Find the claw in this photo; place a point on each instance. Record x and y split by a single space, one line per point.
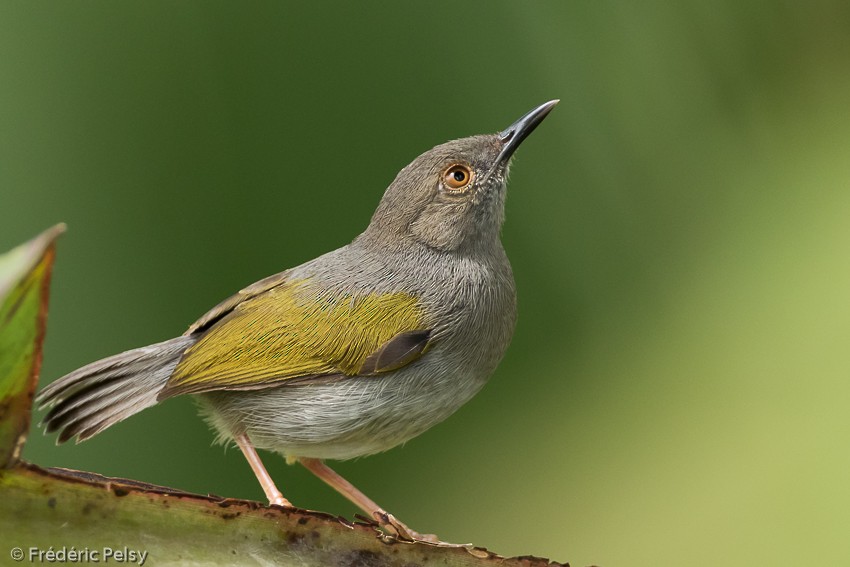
401 531
280 501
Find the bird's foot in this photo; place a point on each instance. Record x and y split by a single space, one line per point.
279 500
401 532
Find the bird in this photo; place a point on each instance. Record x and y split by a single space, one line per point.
349 354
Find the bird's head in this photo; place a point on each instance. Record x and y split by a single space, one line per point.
452 196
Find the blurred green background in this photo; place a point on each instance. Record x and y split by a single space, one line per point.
677 390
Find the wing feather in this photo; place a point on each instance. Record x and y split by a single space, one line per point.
291 330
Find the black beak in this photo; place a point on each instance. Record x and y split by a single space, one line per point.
513 135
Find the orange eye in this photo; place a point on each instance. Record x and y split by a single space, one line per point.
457 176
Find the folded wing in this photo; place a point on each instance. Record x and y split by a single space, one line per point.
290 330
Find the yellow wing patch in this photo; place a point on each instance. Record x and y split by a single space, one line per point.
291 331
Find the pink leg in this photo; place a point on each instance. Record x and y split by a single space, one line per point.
272 493
324 472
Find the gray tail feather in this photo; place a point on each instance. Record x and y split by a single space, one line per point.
90 399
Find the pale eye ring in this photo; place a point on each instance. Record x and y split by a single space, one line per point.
457 177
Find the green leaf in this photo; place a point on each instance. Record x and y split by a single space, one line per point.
24 283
